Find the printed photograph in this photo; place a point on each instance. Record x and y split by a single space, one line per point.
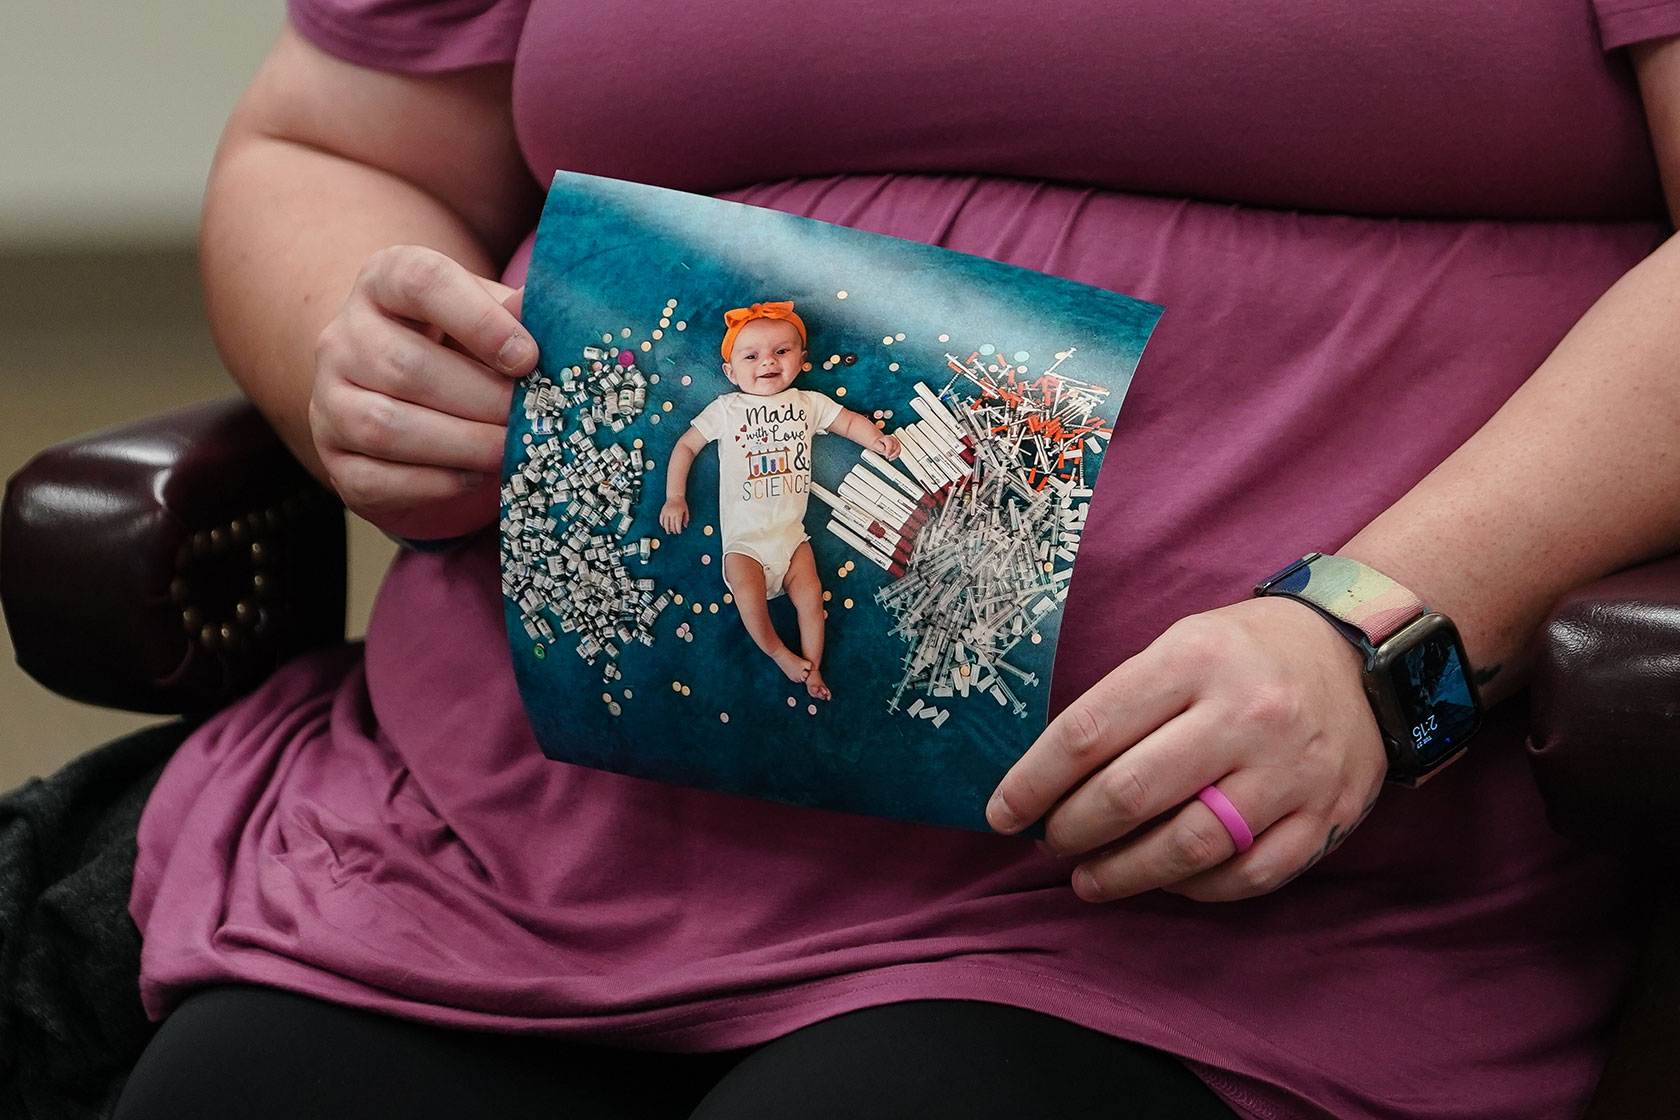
791 510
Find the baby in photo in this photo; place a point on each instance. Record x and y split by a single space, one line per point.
763 432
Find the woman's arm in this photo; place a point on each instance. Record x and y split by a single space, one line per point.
1576 476
341 339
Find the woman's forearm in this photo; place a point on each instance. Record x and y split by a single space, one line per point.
1576 476
286 230
299 199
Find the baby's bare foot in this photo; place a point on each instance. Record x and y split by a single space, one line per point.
795 666
815 685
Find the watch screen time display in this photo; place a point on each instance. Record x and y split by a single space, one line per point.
1434 698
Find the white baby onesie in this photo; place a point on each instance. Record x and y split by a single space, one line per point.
764 471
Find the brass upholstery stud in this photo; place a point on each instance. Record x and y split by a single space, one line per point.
192 619
207 637
178 590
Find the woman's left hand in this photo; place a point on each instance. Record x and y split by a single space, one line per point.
1262 699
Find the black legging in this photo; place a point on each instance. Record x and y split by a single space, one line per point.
254 1053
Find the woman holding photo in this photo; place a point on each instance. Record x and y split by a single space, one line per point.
1421 314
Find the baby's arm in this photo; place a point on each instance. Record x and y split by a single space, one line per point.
857 428
673 515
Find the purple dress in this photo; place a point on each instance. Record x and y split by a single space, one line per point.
1367 223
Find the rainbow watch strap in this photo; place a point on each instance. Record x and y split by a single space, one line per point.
1349 592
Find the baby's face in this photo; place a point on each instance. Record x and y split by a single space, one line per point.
767 357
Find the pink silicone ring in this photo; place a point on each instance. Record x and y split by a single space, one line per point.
1241 835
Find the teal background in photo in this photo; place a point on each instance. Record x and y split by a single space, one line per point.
608 258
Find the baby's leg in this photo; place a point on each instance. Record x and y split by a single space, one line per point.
746 583
804 587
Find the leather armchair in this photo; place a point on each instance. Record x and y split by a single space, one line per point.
169 565
1605 748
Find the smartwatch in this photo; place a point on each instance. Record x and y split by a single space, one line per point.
1416 675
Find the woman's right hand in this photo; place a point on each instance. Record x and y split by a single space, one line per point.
413 382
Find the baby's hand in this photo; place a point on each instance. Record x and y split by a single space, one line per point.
886 446
673 515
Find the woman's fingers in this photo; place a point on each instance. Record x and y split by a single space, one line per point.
420 502
1123 707
1160 771
1190 842
1292 845
511 298
368 350
356 421
425 287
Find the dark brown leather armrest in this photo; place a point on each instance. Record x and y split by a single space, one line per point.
171 564
1606 708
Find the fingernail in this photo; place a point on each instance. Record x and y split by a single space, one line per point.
515 352
999 815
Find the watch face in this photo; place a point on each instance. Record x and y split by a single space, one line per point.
1432 691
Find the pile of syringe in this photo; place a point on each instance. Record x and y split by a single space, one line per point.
980 536
877 509
567 510
1038 428
980 580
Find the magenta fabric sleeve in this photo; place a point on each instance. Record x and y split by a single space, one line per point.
413 36
1621 22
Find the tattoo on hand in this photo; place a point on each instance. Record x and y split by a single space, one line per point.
1334 838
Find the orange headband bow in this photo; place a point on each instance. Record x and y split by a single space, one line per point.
741 316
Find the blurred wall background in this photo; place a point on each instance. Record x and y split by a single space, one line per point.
111 115
112 112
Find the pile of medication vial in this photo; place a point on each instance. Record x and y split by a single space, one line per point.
568 507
